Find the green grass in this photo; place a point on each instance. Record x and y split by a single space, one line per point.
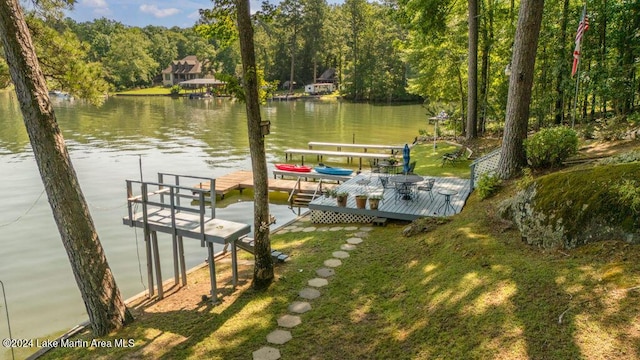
429 162
158 90
469 289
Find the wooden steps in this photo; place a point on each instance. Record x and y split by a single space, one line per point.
302 199
247 244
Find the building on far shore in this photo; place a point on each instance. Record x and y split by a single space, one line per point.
178 71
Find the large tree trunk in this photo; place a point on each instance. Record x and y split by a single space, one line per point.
563 63
263 269
472 79
99 291
525 44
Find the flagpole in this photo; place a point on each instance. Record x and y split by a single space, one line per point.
575 100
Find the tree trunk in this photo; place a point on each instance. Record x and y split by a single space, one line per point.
263 269
472 79
98 288
525 44
563 62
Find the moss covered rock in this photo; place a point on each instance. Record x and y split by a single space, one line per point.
569 209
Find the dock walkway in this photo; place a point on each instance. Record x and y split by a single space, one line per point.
320 154
395 149
243 179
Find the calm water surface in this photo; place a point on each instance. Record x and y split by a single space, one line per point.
195 137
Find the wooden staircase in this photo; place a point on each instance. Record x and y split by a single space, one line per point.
302 199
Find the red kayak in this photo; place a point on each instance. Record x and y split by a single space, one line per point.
293 167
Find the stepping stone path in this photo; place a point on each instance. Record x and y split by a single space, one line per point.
266 353
309 293
318 282
340 254
299 307
325 272
288 321
332 263
279 336
348 247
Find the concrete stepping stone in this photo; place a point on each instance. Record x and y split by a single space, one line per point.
289 321
309 293
309 229
354 241
366 228
361 234
336 228
266 353
299 307
289 227
318 282
325 272
297 229
332 263
323 229
348 247
340 254
283 231
351 228
279 337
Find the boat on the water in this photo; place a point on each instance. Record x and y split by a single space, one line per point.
293 167
332 170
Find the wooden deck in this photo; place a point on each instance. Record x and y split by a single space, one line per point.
393 207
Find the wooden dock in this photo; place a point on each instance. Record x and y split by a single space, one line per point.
243 179
349 155
395 149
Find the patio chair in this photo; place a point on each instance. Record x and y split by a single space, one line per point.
453 157
412 167
427 186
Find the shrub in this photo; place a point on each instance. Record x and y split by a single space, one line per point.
550 147
488 184
175 89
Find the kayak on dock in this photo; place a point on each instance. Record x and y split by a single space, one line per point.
332 170
293 167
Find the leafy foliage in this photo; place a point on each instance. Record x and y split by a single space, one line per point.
488 184
549 147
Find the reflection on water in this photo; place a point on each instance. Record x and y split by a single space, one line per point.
195 137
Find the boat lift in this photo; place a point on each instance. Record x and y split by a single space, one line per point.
161 207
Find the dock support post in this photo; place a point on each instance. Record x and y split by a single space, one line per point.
183 266
176 261
156 261
234 264
212 274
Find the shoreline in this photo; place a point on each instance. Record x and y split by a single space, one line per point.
142 296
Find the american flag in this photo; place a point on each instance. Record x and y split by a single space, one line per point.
582 27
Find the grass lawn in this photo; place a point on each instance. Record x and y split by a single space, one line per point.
468 289
429 162
158 90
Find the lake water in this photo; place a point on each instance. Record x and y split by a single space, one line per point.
194 137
